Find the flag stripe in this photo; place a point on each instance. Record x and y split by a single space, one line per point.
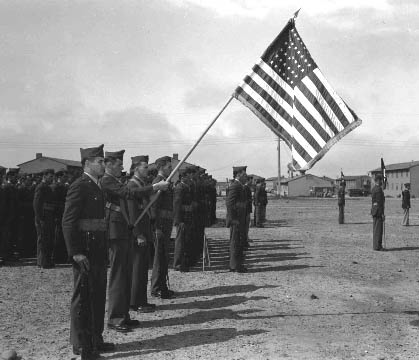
276 122
268 98
298 105
329 99
307 136
302 86
281 82
311 125
281 92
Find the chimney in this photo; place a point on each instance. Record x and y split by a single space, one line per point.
175 156
38 155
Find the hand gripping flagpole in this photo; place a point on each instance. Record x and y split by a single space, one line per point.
153 200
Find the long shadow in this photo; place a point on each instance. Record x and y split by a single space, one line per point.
180 340
403 248
280 268
213 303
23 262
357 223
222 290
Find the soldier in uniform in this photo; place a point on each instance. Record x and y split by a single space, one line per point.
377 212
43 207
162 213
248 194
142 237
59 193
263 201
341 201
183 210
84 229
236 218
406 204
257 202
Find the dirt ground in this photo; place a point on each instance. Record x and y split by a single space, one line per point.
315 290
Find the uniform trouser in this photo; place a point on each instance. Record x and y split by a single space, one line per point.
4 241
45 241
87 311
263 213
237 234
258 215
405 217
120 275
181 256
26 243
377 232
140 261
161 255
341 214
59 251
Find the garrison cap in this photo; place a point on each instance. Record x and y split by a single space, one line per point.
91 152
60 173
48 171
163 160
237 169
136 160
115 154
378 177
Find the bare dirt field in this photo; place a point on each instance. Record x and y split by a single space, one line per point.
315 290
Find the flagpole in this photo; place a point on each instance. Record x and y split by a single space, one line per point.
152 201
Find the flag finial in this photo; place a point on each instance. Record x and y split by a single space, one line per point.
296 13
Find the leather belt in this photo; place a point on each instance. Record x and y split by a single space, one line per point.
113 207
165 214
92 225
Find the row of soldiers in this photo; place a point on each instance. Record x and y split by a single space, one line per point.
106 217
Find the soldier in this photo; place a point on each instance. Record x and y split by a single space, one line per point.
257 202
142 235
162 213
183 210
236 218
59 193
44 207
263 201
406 204
84 230
341 201
377 212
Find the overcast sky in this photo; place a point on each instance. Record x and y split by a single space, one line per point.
149 76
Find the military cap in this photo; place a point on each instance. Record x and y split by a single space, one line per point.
48 171
183 172
237 169
136 160
91 152
60 173
378 177
163 160
192 169
115 154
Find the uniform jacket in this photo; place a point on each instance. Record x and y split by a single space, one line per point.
43 202
84 200
378 200
182 203
406 199
136 207
236 204
248 194
164 202
59 193
8 203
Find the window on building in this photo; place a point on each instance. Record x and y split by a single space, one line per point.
397 187
392 186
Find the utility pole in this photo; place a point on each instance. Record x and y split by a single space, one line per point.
278 189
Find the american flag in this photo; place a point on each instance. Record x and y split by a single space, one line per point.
288 92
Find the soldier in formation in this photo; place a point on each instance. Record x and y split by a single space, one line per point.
341 201
406 204
377 212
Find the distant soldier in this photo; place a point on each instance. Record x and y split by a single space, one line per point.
183 220
341 201
162 213
84 230
44 208
406 204
258 199
377 212
236 218
142 237
59 193
263 201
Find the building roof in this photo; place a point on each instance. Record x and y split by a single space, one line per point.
61 161
398 166
353 177
324 178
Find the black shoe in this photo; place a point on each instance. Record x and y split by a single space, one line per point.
242 270
120 327
85 352
146 308
163 294
132 323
